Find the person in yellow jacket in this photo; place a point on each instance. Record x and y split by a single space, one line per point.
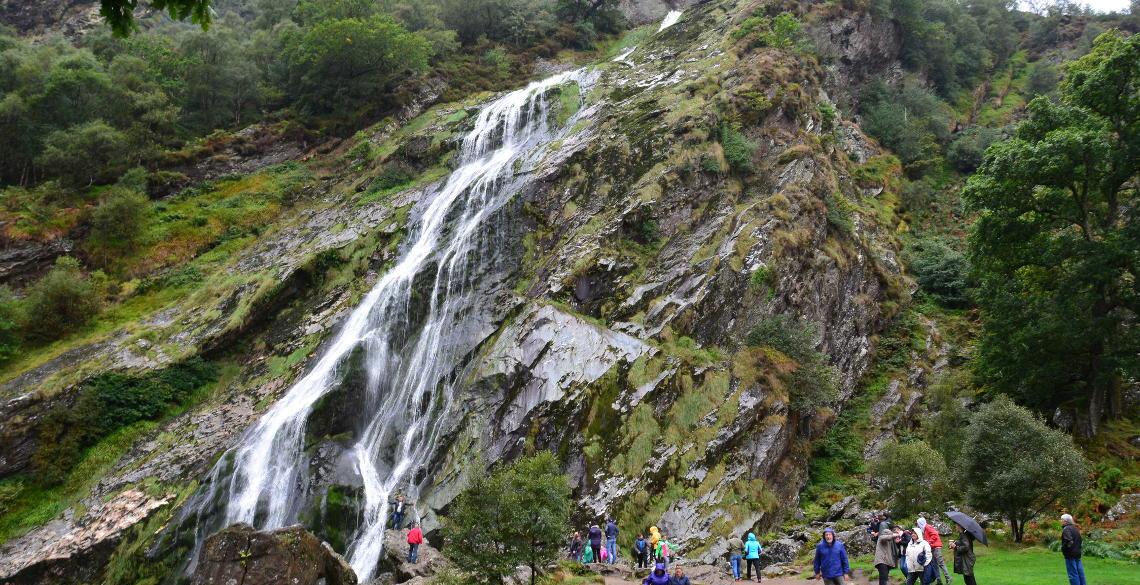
654 538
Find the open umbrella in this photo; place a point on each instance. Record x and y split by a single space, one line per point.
970 525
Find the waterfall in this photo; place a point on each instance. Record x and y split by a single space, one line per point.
669 20
408 350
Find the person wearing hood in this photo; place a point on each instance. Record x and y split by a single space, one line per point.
654 538
1071 550
752 550
964 556
885 553
918 558
641 551
664 550
595 537
830 561
735 555
659 576
611 540
576 546
931 536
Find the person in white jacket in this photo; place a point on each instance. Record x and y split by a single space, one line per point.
918 557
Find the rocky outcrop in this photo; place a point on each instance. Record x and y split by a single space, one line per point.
244 556
68 17
23 262
857 47
395 563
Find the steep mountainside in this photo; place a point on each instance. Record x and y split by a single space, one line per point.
693 189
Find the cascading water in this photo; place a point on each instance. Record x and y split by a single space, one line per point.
408 351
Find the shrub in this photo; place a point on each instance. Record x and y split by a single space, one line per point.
61 302
9 323
912 474
391 177
738 150
839 214
1043 79
827 115
941 270
118 223
815 382
969 148
92 152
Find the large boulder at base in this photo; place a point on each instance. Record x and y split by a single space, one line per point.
241 554
782 550
1126 506
395 559
846 508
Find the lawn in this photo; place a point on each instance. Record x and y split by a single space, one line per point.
1008 565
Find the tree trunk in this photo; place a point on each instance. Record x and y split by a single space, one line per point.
533 572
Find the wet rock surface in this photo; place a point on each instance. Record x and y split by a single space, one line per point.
395 560
242 555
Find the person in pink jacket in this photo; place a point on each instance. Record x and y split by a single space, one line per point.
931 536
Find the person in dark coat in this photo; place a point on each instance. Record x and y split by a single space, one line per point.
641 551
831 559
679 577
399 508
659 576
964 556
1071 549
611 540
595 538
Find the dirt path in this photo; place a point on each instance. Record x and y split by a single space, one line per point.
701 575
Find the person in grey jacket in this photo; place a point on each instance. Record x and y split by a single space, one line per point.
885 558
1071 549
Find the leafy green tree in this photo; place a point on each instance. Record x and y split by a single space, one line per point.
60 303
1055 247
118 223
1014 465
9 323
968 149
908 119
120 14
339 66
88 153
913 476
941 270
518 515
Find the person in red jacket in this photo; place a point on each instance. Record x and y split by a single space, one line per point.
415 539
931 536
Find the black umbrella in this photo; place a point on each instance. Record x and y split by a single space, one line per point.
970 525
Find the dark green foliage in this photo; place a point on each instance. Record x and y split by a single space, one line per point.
838 214
118 222
738 150
1054 249
392 176
815 382
9 324
941 269
782 32
109 402
998 476
84 154
913 475
120 13
61 302
907 119
1043 79
517 515
969 147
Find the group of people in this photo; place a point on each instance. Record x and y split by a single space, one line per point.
917 552
600 546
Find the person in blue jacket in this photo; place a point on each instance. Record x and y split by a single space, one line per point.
752 551
831 559
659 576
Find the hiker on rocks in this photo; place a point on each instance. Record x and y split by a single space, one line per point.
1071 550
588 554
659 576
679 578
964 555
399 508
918 559
611 540
654 539
415 539
735 555
831 559
641 551
576 546
595 536
752 551
931 536
886 556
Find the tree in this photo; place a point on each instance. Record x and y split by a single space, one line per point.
519 515
92 152
1055 247
120 14
912 474
814 383
59 303
1016 466
337 66
940 269
118 223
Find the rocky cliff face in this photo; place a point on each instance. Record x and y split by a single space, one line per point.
645 248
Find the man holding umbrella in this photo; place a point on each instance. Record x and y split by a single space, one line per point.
964 547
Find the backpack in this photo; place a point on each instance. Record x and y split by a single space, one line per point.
664 549
922 558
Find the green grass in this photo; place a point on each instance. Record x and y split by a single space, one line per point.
1004 564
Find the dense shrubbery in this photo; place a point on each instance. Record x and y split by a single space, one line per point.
61 302
738 150
968 148
814 383
908 119
914 475
107 403
940 269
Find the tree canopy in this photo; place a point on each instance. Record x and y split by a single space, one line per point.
1056 247
120 14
